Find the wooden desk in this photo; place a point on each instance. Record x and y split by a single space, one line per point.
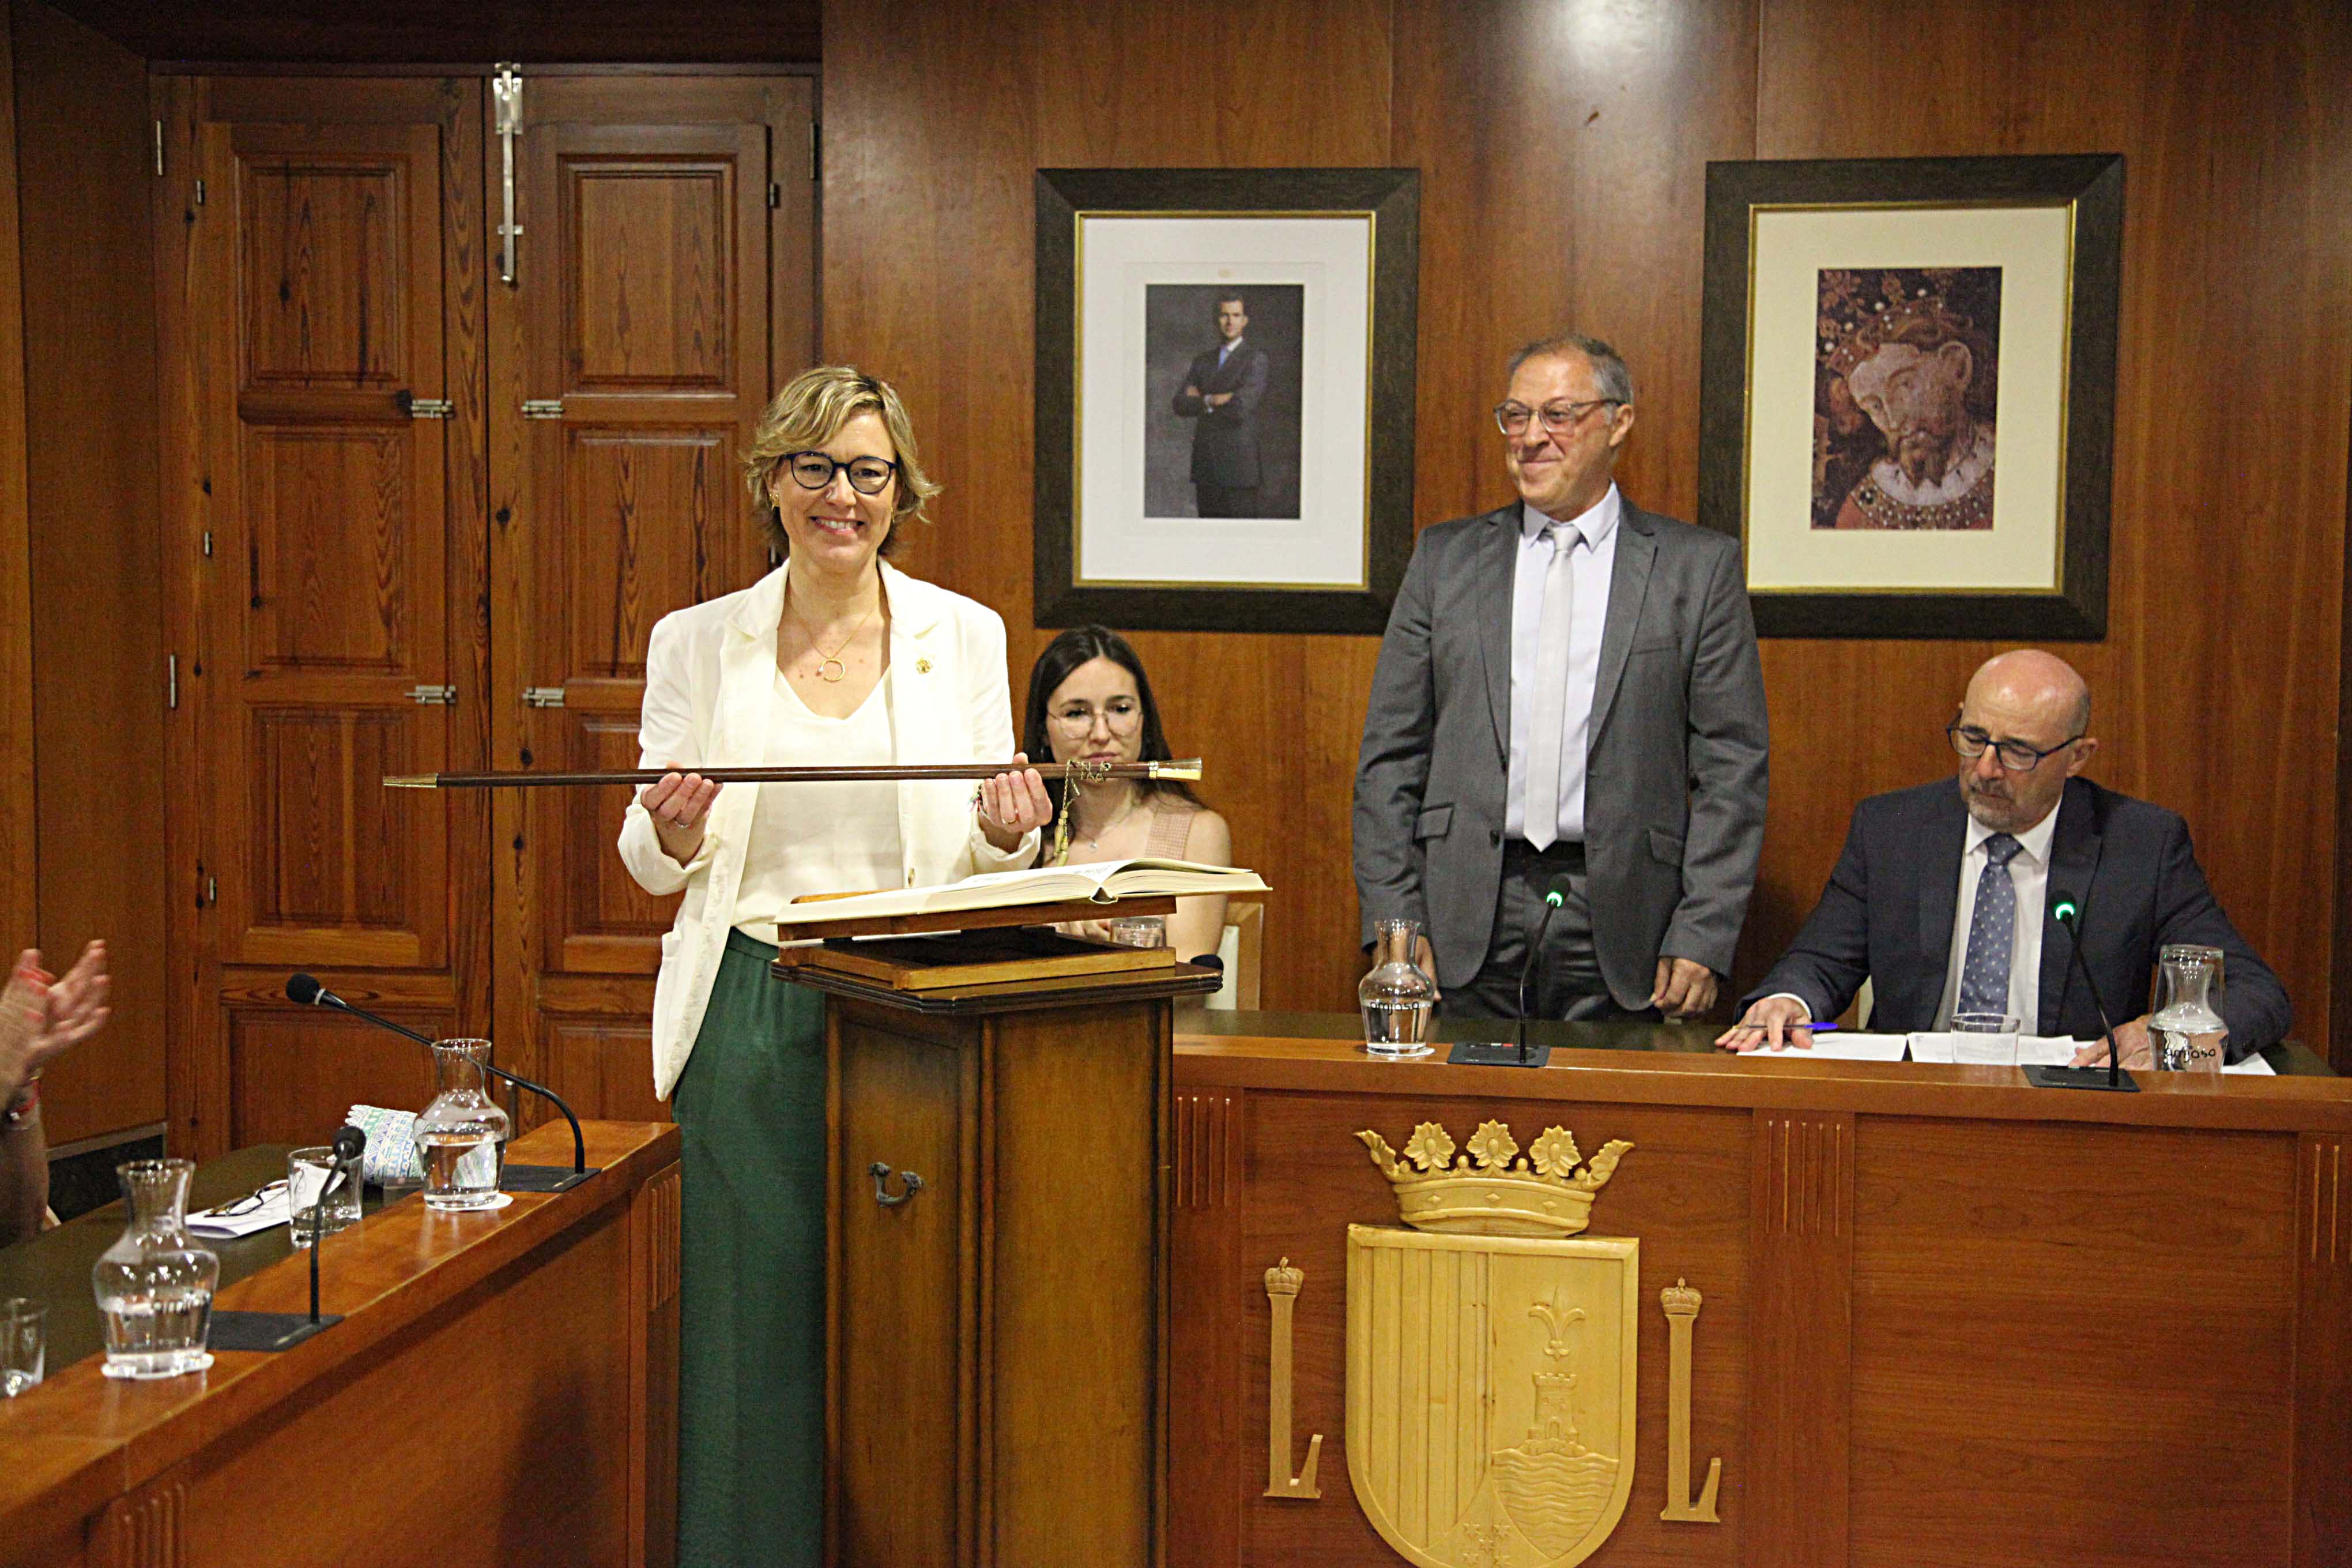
1947 1318
501 1391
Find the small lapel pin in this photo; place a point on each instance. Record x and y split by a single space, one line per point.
922 667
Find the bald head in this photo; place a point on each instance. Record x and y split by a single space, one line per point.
2032 700
2030 680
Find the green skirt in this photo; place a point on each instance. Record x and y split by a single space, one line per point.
750 1403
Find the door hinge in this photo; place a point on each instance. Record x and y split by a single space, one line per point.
208 544
211 895
816 143
158 149
775 196
199 193
171 681
542 408
429 696
428 408
542 697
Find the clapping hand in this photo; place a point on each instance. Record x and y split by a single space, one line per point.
42 1017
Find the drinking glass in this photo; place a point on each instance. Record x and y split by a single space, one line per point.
23 1344
1139 930
308 1171
1984 1040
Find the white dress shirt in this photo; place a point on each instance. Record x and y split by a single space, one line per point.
1225 351
2029 873
1593 538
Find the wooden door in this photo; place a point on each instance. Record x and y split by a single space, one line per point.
664 285
319 247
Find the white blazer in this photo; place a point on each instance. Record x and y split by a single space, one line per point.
710 673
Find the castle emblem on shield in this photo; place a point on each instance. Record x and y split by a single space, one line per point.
1491 1354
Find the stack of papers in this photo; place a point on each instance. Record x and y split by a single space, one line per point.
253 1212
2032 1050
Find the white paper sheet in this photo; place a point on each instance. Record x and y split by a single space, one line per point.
250 1217
1838 1046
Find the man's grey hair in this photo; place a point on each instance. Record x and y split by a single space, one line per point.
1616 382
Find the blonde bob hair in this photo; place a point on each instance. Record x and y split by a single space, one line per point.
811 410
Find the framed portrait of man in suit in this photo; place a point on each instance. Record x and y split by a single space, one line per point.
1907 391
1224 365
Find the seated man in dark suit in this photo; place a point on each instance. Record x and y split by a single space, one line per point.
1939 896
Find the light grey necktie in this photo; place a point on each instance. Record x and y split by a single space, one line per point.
1548 718
1992 933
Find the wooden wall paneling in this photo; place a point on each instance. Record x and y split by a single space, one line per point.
84 165
271 33
2044 1264
1800 1358
2232 408
19 841
341 568
649 306
1209 1468
653 1219
2323 1351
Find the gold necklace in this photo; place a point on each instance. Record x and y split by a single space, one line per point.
829 666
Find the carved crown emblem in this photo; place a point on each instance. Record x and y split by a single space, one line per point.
1492 1189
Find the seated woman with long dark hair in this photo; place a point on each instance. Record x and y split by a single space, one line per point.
1091 700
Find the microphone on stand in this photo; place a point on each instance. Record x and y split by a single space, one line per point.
305 991
350 1144
1520 1054
236 1330
2068 913
1554 896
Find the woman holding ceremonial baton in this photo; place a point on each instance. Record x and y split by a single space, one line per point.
835 658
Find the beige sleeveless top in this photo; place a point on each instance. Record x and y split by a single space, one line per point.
1172 824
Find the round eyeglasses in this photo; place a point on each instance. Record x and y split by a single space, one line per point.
815 471
2015 756
1121 717
1511 418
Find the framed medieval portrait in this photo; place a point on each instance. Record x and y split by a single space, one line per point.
1907 392
1224 407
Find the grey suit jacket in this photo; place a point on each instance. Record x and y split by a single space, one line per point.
1676 782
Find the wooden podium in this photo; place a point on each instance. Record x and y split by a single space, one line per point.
997 1288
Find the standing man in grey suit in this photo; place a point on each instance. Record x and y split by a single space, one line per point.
1568 690
1222 391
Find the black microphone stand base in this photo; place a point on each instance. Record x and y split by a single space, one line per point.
2080 1077
1497 1053
267 1330
543 1178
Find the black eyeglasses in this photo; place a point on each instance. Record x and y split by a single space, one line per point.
815 471
1511 418
2015 756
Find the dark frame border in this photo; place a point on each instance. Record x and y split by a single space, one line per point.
1393 195
2094 182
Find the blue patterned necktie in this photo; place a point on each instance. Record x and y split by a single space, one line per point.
1992 933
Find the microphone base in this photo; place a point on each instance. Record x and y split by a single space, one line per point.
543 1178
1497 1054
2081 1077
267 1330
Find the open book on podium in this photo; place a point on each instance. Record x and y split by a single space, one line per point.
996 928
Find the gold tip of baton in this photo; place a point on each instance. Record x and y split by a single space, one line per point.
411 781
1188 769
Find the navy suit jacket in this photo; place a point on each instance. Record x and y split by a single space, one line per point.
1224 443
1888 910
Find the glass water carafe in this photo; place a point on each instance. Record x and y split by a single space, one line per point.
2185 1033
461 1137
1398 996
154 1285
